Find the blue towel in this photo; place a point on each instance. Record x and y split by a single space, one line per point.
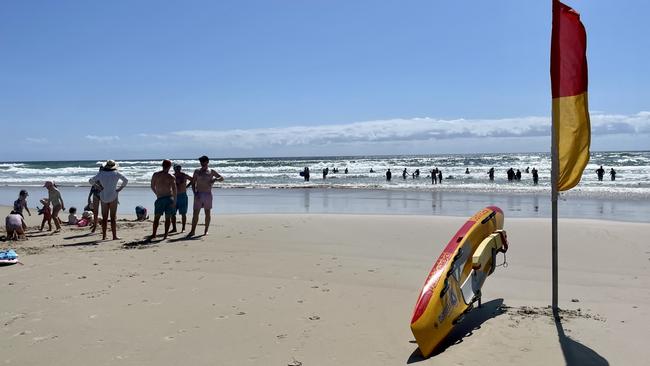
8 254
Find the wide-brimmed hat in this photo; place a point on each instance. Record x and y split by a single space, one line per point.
110 165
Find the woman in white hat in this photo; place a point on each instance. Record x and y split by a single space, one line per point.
108 178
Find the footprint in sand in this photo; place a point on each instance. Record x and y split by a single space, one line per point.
314 317
221 317
169 338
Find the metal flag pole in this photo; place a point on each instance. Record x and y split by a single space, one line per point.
555 164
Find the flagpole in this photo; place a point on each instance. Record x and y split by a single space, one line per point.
555 164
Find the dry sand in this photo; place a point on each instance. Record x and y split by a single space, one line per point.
318 290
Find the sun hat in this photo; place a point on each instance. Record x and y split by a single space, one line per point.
110 165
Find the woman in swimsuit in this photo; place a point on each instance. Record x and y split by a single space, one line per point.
54 196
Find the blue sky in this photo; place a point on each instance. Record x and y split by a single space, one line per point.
138 79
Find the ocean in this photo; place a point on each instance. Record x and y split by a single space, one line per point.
632 167
272 185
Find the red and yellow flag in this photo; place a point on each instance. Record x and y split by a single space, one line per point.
569 88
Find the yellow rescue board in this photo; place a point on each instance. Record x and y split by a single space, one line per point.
455 281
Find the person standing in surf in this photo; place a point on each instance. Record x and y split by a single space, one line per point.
535 176
202 181
108 178
163 185
600 172
181 197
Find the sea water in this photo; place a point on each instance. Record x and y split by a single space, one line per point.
632 168
273 185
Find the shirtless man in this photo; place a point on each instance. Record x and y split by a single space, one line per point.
202 182
181 197
163 185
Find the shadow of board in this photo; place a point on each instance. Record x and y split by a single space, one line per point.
576 353
473 321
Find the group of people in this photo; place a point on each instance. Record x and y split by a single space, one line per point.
171 195
171 198
52 206
514 176
600 173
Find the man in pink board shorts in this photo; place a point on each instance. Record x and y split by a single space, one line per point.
202 182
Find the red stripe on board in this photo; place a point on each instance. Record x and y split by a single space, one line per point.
436 271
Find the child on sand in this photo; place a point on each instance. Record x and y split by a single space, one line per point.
21 203
14 224
47 214
72 217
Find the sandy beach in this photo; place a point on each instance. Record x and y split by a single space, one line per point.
318 290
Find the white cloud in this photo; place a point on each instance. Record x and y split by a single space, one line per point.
408 130
102 138
36 140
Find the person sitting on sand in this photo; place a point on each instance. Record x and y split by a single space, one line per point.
108 178
163 185
202 182
72 217
14 224
21 203
47 214
181 197
54 196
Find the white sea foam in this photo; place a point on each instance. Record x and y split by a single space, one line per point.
632 179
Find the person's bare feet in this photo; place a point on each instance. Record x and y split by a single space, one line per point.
191 234
205 233
117 238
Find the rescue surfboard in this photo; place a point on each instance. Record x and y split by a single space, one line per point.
454 283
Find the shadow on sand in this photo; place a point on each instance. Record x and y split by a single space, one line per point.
80 244
576 353
84 235
466 328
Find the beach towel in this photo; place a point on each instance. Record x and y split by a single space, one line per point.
8 257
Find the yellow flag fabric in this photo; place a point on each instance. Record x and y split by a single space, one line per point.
572 129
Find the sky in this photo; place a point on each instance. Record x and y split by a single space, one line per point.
128 79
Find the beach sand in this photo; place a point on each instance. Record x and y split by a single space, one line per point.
318 290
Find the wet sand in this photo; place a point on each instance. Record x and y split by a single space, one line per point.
371 202
316 289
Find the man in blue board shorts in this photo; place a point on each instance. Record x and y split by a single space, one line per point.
163 185
181 197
